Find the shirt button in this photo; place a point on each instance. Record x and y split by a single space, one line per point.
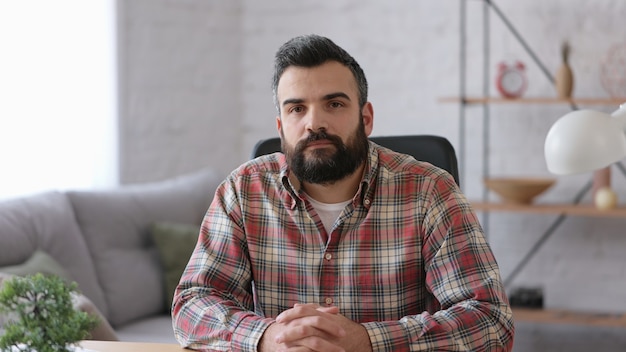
328 301
367 202
328 256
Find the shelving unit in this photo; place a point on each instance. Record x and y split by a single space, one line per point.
536 100
561 210
586 210
568 317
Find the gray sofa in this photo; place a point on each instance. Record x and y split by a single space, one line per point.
102 240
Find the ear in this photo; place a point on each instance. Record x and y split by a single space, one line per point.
368 117
278 125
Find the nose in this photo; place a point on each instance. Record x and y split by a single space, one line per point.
317 120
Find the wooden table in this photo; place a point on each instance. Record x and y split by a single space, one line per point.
119 346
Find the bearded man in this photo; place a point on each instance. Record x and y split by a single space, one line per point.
338 244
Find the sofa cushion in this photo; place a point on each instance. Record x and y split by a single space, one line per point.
175 243
39 262
116 224
103 331
46 222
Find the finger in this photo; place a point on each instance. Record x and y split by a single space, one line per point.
309 314
329 310
317 325
313 344
299 310
296 349
312 305
293 332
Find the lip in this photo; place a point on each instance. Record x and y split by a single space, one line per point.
319 144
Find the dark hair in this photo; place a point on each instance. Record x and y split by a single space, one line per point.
310 51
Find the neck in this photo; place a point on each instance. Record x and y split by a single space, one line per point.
338 191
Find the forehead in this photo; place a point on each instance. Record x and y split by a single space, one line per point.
299 82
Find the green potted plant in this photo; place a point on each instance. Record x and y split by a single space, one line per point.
43 317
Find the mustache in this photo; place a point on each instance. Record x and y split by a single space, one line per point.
319 136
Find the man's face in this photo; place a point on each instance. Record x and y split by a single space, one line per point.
323 129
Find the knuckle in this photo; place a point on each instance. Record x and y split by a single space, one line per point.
315 344
301 330
317 320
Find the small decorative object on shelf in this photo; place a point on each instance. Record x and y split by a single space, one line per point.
527 297
605 198
518 190
45 319
511 79
613 71
564 79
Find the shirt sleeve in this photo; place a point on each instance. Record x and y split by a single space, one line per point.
470 309
213 307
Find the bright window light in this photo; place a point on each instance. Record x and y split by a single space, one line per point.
58 107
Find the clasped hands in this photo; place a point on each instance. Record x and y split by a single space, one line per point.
312 328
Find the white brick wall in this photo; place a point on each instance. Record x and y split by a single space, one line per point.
196 91
180 86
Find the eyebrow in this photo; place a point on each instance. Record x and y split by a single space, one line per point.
336 95
325 97
292 101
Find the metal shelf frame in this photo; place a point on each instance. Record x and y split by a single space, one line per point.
489 6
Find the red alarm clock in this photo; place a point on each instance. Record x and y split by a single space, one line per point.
511 79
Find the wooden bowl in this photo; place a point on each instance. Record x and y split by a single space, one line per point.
518 190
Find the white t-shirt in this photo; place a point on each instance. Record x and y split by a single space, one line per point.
328 212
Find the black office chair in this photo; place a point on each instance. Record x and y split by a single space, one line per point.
436 150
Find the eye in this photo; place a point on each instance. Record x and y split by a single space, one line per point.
296 109
335 104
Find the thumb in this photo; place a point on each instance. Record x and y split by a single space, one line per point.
330 310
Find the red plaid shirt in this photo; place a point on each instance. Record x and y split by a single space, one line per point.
407 259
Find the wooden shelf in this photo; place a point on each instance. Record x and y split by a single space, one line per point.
558 209
536 100
548 316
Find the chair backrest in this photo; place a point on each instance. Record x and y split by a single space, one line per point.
436 150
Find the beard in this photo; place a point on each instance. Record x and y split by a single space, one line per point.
325 165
